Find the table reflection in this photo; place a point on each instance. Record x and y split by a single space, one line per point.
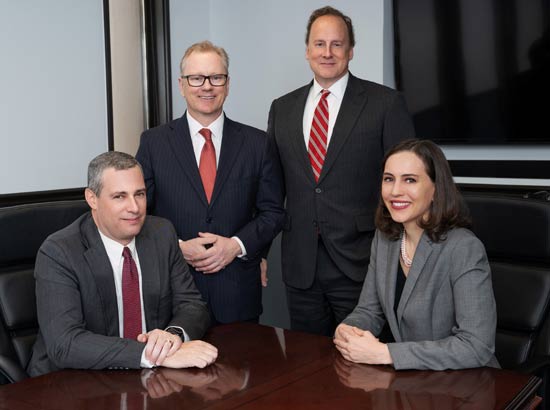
390 389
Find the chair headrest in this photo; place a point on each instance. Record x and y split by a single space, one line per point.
23 228
511 228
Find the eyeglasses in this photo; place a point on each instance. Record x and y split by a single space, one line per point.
196 80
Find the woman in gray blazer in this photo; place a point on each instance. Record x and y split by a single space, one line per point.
428 276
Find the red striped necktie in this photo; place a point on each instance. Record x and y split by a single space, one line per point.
318 136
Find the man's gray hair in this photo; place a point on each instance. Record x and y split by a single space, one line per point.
112 159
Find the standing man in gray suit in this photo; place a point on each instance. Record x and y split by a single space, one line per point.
112 288
331 136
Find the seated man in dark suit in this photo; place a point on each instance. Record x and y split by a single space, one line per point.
112 288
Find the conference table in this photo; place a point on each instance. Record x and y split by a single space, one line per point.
261 367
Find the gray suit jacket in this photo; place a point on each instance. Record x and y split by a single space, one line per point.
77 305
446 318
340 206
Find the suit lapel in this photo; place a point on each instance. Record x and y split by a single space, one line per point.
149 264
391 277
353 103
180 140
296 133
232 142
102 273
421 255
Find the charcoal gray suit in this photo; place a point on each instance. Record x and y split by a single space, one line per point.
446 317
338 209
77 303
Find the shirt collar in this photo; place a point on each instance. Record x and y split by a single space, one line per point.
216 127
114 248
337 89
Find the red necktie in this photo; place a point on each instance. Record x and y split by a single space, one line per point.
131 304
207 163
318 136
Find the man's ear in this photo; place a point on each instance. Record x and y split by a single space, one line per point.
91 198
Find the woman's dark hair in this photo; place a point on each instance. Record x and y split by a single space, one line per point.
448 209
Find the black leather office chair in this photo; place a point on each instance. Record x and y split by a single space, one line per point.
23 228
516 235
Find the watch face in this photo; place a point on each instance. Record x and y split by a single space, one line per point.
175 331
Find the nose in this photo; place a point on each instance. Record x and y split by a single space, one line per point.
396 188
327 51
132 204
207 84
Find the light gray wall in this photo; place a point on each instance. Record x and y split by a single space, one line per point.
53 100
266 46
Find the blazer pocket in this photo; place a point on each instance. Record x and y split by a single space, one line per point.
365 223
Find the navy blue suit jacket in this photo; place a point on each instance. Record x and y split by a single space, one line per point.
247 202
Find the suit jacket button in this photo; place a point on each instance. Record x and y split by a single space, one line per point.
318 190
315 224
209 220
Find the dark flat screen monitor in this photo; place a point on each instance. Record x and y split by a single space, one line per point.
475 71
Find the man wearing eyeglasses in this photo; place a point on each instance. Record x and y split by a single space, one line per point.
220 184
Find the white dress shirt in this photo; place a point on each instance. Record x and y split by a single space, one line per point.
334 100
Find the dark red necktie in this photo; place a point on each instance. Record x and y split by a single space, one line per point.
131 303
318 136
207 163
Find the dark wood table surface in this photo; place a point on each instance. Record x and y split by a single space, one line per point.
261 367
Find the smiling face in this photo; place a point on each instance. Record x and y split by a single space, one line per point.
119 209
407 190
328 49
204 103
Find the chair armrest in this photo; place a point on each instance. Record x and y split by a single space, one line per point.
12 370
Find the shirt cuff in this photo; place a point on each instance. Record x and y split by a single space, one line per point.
146 364
243 249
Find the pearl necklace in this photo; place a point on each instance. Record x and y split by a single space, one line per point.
404 256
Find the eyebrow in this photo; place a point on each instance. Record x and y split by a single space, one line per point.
403 175
137 191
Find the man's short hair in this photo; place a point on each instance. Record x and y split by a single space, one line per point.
205 47
331 11
112 159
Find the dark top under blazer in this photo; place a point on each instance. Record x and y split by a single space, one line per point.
77 305
247 202
341 205
446 318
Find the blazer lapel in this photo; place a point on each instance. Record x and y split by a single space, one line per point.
150 279
232 142
353 103
391 277
102 273
180 140
423 251
296 132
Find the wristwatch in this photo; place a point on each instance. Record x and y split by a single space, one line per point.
176 330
